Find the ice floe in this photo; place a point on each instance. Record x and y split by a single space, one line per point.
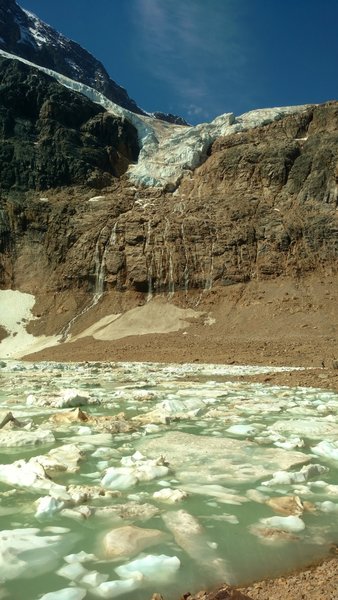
204 459
13 438
28 552
151 567
73 593
326 449
121 478
169 495
292 524
202 483
286 478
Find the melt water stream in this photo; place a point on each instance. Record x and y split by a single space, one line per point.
204 480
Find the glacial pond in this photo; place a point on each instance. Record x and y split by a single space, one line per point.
134 478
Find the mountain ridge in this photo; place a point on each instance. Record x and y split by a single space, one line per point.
22 33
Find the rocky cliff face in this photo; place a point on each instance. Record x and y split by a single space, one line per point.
52 137
263 205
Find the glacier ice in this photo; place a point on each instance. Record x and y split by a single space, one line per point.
168 150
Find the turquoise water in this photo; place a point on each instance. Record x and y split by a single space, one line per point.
222 442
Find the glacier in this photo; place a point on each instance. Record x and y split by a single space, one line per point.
168 150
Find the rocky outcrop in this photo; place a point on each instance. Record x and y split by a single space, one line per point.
169 117
53 137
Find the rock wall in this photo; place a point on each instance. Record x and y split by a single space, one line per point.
263 205
53 137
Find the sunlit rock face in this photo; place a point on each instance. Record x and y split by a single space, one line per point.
262 205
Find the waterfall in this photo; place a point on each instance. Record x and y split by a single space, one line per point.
169 264
149 262
209 278
100 264
186 267
171 281
100 270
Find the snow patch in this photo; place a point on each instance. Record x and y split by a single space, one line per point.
15 312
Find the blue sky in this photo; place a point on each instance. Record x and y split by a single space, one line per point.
201 58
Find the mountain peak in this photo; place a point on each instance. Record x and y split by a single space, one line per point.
22 33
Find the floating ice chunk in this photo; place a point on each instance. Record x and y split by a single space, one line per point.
105 453
224 495
71 398
242 430
315 428
129 461
326 449
62 458
31 400
79 514
231 519
55 529
256 496
151 470
331 489
151 428
73 571
203 458
84 430
151 567
13 438
73 593
174 406
29 475
291 524
286 478
170 495
95 439
80 557
119 478
47 507
327 506
26 553
113 589
290 444
93 579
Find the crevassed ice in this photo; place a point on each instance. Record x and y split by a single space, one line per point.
169 150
